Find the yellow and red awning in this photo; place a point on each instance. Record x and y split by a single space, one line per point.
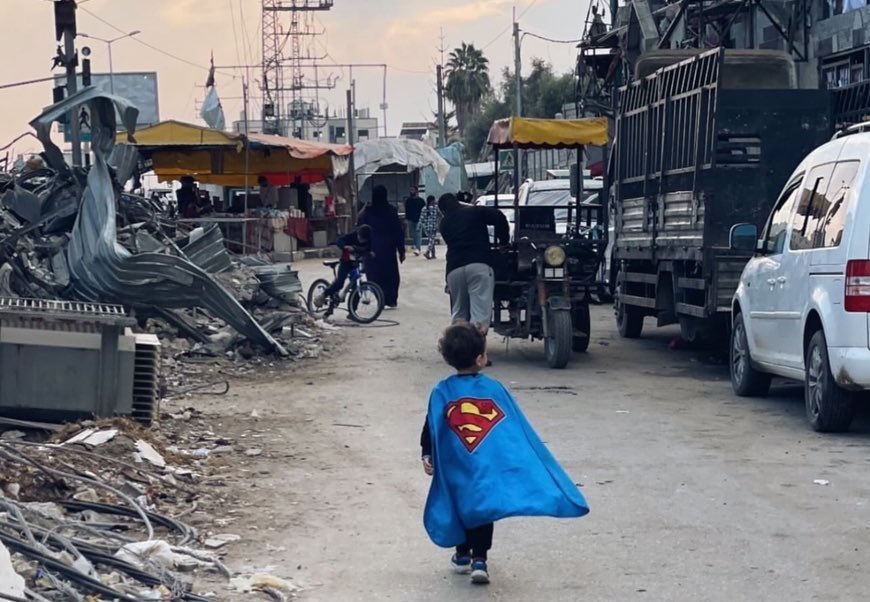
211 156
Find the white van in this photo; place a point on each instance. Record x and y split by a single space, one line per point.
802 308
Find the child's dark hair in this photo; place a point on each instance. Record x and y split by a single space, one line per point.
461 344
364 232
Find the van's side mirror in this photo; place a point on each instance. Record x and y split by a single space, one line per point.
743 237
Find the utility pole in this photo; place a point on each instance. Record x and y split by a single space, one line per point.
442 117
247 165
518 64
442 122
354 204
65 27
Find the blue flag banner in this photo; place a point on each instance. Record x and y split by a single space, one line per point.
489 462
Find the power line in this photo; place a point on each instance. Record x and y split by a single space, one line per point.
27 82
235 35
139 40
546 39
509 27
405 70
527 9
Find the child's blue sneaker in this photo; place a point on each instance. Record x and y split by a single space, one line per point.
461 564
479 573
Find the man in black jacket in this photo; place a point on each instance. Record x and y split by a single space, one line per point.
413 209
470 278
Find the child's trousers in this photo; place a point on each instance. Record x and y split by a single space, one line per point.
478 541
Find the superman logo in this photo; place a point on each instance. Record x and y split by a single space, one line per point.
472 420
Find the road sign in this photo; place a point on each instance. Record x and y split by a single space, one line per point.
140 88
506 160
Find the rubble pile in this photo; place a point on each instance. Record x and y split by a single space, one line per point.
68 233
33 264
101 510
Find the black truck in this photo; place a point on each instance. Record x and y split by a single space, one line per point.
701 145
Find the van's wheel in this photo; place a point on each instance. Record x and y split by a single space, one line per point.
745 380
629 319
581 323
557 346
830 408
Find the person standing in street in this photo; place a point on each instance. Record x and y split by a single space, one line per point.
429 220
470 279
388 243
413 208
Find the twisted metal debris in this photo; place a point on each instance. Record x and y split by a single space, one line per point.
100 269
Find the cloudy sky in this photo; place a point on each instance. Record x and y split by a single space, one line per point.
405 34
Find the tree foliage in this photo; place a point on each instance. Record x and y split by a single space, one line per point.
467 82
544 94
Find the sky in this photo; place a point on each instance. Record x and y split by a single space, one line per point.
404 34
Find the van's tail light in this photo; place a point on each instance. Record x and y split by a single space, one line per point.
858 286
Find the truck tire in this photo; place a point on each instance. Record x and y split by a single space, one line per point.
830 408
557 347
583 323
745 379
629 319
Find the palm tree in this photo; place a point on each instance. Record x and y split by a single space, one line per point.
467 84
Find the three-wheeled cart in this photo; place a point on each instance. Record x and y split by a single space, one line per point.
545 277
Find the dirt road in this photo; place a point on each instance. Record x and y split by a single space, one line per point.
695 494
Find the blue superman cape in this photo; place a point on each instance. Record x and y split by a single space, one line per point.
489 462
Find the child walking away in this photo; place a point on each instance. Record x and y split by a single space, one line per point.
429 221
486 461
357 243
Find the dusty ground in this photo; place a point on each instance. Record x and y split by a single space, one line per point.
695 494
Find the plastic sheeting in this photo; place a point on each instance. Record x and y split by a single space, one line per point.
457 178
371 155
104 271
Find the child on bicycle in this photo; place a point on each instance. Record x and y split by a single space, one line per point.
357 243
486 461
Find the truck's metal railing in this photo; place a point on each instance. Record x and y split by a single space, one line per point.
851 103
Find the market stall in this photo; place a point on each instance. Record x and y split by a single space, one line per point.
286 213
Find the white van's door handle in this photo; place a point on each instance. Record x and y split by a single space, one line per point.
771 281
782 279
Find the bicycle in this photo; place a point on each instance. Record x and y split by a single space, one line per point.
365 300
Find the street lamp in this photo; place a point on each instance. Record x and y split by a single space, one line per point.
109 44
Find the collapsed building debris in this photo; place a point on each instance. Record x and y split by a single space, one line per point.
107 510
71 234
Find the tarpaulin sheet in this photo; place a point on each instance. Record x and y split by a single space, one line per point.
457 178
300 149
548 133
371 155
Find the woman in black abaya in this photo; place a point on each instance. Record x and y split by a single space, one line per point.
388 245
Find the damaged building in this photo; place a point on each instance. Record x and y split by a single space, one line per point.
81 259
826 39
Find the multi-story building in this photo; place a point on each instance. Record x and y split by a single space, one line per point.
308 125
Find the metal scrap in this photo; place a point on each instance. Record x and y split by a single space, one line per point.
61 234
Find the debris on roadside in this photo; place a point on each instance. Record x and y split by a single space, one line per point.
101 509
67 234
